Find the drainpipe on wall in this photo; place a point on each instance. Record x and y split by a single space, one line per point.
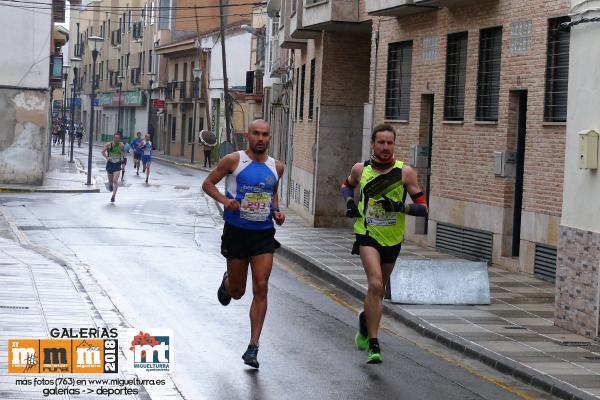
366 151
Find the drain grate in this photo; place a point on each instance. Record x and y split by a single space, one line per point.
14 307
593 358
514 327
574 344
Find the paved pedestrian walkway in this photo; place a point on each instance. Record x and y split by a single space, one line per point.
61 177
181 161
515 334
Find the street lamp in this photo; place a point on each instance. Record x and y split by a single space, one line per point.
120 83
65 71
75 62
151 76
94 42
197 75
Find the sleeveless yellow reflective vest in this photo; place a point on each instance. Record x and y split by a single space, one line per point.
385 227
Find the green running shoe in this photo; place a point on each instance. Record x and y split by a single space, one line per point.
373 357
362 342
362 337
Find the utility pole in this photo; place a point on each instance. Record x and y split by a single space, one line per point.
225 81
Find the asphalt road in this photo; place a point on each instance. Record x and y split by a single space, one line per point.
156 253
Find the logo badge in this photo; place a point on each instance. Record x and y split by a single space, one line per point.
150 349
23 356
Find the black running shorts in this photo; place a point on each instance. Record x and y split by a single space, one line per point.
137 155
388 254
238 243
112 167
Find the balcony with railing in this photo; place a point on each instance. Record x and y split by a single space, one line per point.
170 91
330 14
399 8
297 30
115 38
79 50
135 76
137 31
286 41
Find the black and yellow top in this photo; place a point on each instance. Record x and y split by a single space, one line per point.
385 227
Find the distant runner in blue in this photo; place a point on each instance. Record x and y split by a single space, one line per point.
137 152
251 205
146 148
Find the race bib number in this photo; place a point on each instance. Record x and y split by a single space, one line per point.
115 159
377 216
146 152
256 207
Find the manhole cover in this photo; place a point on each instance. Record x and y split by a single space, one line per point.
14 307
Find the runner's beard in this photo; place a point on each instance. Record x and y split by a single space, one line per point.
382 164
256 150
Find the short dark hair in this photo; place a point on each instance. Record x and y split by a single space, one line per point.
382 128
118 133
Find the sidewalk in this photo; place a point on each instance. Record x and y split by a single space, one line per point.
41 290
515 334
62 177
180 161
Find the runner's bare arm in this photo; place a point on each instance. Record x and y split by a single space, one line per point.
105 151
226 166
278 215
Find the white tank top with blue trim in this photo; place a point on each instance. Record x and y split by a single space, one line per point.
253 185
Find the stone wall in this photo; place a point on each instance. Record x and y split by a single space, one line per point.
23 136
577 281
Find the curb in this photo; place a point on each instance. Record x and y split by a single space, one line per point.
502 364
180 164
44 190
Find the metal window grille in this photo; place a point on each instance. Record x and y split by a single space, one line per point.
488 77
297 193
557 71
311 94
302 84
397 102
291 189
544 266
306 199
456 72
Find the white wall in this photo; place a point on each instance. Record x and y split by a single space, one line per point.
581 208
238 45
25 43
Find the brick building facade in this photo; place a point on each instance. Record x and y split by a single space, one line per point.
477 93
473 65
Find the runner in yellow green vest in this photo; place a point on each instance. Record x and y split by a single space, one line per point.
384 183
